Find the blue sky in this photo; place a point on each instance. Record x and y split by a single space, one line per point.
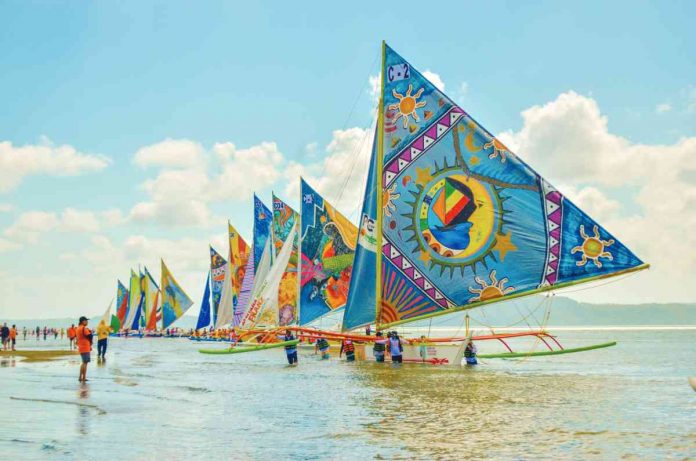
109 78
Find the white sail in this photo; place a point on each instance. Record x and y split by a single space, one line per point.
264 306
106 318
225 314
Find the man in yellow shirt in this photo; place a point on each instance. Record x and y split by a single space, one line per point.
103 331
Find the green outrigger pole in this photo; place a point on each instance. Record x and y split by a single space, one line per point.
241 349
516 355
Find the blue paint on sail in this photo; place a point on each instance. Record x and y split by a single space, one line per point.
360 308
204 314
263 219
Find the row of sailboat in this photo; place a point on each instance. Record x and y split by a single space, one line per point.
451 220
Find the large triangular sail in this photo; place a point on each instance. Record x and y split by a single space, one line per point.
122 295
285 220
237 266
327 250
219 278
262 229
152 293
175 302
134 302
462 220
204 317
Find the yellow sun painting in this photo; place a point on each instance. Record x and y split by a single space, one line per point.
487 292
407 105
592 248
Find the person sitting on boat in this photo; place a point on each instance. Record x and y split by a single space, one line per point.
396 347
470 353
379 347
348 347
290 349
322 345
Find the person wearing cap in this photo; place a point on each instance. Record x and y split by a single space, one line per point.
103 331
84 346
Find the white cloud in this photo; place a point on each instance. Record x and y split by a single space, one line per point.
663 108
18 162
7 245
567 140
30 225
435 79
246 170
6 207
341 176
171 153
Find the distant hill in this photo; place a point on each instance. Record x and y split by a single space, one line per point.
565 312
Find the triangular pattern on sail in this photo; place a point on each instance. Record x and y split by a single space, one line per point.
175 302
262 229
263 310
218 274
121 306
133 301
285 220
360 307
327 247
464 220
204 319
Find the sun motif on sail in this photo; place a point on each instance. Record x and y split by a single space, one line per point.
486 292
499 149
592 248
456 219
407 105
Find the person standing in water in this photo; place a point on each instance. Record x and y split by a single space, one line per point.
322 345
290 349
84 346
103 331
379 347
470 353
396 348
71 335
24 333
13 336
5 333
348 347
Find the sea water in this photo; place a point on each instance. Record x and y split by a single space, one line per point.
161 399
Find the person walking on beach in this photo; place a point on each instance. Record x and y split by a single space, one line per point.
379 347
396 348
13 336
24 333
45 332
84 346
290 349
55 333
103 331
62 332
38 332
71 335
5 333
348 347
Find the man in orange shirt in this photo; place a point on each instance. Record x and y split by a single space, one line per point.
71 335
13 336
84 346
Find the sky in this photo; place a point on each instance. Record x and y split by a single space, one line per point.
132 131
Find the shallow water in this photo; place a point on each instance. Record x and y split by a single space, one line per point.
161 399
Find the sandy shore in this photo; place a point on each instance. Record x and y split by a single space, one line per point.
37 356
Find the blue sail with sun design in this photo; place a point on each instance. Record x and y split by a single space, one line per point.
262 229
327 244
360 307
204 320
464 221
175 302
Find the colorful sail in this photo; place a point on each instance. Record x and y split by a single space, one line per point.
245 292
175 302
152 297
262 229
239 255
204 319
121 306
360 307
106 316
327 246
263 310
134 302
218 272
285 220
139 317
463 221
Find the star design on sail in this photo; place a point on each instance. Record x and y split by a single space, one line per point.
407 105
504 244
592 248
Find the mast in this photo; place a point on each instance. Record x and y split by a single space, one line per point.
378 183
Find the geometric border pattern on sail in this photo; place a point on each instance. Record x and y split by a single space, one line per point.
406 267
553 210
421 144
